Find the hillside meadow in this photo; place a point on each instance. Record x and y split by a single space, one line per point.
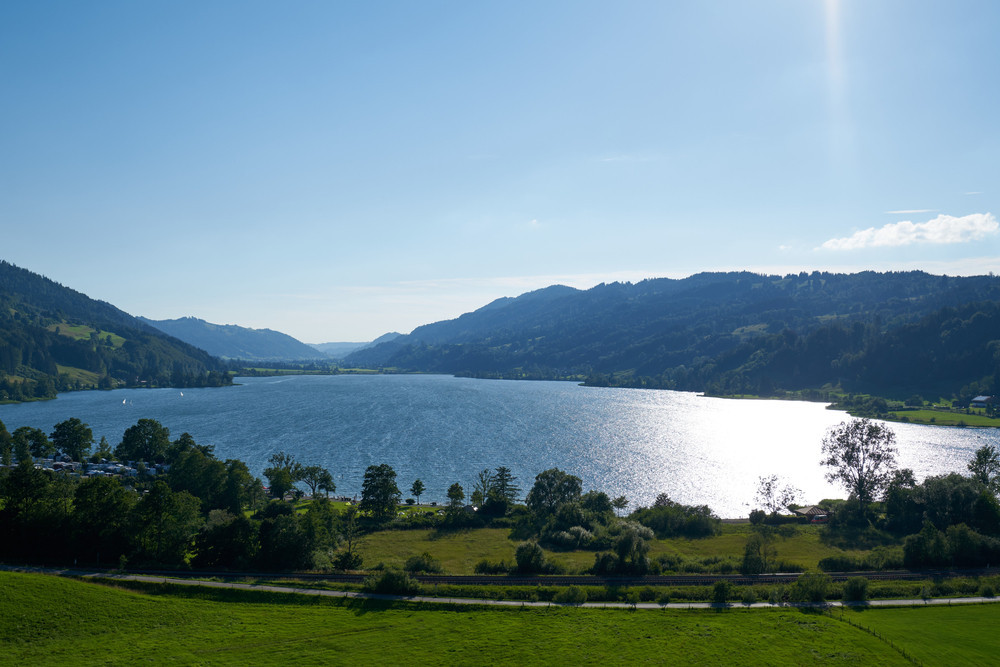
48 620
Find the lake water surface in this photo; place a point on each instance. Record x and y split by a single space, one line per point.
443 430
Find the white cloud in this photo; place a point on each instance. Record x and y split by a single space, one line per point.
943 229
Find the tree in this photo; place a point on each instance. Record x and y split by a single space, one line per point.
317 477
35 440
862 457
552 488
167 523
456 496
379 494
417 489
985 467
772 496
147 441
504 485
619 503
481 487
282 474
103 452
6 448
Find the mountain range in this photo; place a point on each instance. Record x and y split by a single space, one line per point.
229 341
894 333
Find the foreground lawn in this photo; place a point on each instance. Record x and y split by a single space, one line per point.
958 635
47 620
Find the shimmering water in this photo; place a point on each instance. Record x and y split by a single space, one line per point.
443 430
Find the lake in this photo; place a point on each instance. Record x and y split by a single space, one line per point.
442 429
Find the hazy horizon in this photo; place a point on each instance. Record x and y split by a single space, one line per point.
338 171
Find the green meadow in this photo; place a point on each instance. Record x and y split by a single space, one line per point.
46 620
460 550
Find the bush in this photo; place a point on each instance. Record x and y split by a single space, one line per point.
856 589
811 587
986 591
749 596
423 563
531 559
571 595
486 566
720 591
392 582
346 560
663 599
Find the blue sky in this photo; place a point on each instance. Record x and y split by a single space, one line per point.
336 170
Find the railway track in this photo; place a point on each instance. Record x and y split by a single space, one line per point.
581 580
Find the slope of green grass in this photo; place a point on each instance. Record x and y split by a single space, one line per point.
955 635
46 620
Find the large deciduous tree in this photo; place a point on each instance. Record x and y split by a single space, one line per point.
773 496
317 478
379 493
861 455
553 488
147 441
985 467
72 438
282 474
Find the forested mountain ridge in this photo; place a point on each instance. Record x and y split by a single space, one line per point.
229 341
53 338
727 333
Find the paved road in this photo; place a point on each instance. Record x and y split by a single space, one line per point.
495 603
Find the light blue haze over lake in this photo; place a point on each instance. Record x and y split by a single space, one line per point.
443 430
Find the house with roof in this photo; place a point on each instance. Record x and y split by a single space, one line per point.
981 401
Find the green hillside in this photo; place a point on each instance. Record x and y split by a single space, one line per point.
892 334
50 621
53 338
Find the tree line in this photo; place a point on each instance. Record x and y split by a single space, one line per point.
173 503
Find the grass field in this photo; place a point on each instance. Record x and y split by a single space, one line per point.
459 551
945 418
48 620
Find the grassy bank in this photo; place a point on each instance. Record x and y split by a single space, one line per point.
47 620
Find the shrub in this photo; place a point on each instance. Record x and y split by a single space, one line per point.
856 589
531 559
423 563
346 560
720 591
663 599
486 566
811 587
749 596
392 582
986 591
571 595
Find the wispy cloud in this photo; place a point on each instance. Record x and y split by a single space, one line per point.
911 211
974 192
944 229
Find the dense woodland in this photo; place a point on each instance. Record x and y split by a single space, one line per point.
891 334
55 339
